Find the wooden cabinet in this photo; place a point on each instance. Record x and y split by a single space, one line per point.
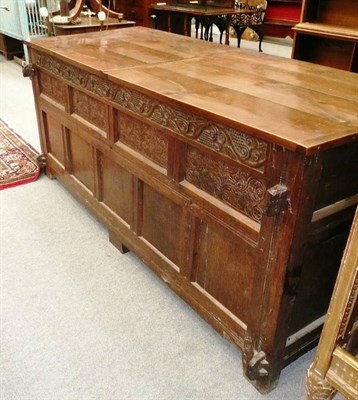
10 47
137 11
133 10
238 190
281 16
328 34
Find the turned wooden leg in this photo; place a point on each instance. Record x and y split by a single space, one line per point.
318 388
197 26
239 29
211 33
115 240
259 29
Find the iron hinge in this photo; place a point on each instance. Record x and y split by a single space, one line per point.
28 71
277 200
258 366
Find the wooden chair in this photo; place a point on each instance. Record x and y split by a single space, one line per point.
252 17
335 366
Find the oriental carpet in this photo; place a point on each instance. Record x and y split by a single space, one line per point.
17 159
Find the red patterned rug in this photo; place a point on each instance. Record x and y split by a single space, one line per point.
17 159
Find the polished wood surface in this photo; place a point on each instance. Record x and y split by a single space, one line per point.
237 187
310 117
133 10
194 10
91 24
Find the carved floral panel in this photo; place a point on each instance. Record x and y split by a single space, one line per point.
90 109
144 139
231 185
53 88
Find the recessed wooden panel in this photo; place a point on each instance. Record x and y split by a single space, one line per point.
337 12
53 88
333 53
117 189
320 266
339 180
143 138
222 267
162 223
82 160
54 138
90 109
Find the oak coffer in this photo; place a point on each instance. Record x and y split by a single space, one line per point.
232 174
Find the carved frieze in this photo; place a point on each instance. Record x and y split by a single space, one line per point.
317 388
235 187
233 143
237 145
346 372
61 69
77 76
348 310
143 138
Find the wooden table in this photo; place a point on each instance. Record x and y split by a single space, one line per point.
232 174
199 12
91 24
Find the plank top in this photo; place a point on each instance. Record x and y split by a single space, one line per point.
299 105
199 10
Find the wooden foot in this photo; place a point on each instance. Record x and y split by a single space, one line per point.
49 173
115 240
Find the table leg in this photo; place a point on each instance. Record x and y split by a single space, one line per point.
197 23
169 22
185 26
227 30
211 30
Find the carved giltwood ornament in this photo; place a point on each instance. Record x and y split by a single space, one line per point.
318 388
333 365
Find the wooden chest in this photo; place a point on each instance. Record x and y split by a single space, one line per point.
232 174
